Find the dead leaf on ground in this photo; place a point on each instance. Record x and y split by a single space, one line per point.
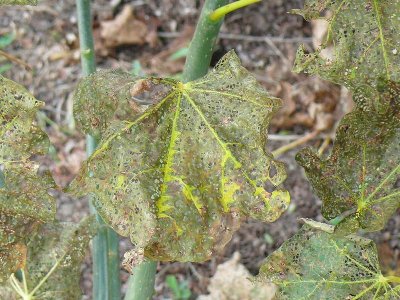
312 105
70 155
232 282
126 29
161 64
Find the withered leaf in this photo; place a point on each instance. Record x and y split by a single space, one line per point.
179 178
54 261
105 96
358 181
24 200
366 42
20 137
315 265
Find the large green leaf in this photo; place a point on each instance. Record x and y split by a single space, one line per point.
365 35
315 264
357 183
54 261
24 200
179 178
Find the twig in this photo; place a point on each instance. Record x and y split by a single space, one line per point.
282 137
295 143
194 271
277 51
324 145
247 38
15 59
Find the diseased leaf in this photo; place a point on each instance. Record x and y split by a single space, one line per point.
24 200
358 181
314 264
20 137
54 261
105 96
365 35
179 178
24 205
12 258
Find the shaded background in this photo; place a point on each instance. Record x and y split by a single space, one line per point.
151 38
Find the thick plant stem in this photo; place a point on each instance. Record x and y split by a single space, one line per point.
106 281
141 283
202 44
86 37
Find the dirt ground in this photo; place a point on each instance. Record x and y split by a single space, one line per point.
151 36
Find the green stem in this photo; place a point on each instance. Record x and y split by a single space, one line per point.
86 37
141 283
2 180
202 44
393 279
221 12
105 252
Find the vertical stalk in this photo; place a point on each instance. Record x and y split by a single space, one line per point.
106 281
141 282
202 45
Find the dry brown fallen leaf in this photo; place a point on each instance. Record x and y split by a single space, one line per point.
126 29
70 155
161 64
231 282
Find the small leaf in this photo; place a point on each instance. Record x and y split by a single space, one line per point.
6 39
314 264
54 261
173 284
179 178
4 68
366 42
358 180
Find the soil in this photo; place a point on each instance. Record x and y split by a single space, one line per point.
46 39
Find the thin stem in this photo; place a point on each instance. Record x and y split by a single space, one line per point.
16 286
336 221
221 12
394 279
106 281
278 152
324 145
44 279
24 281
15 59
